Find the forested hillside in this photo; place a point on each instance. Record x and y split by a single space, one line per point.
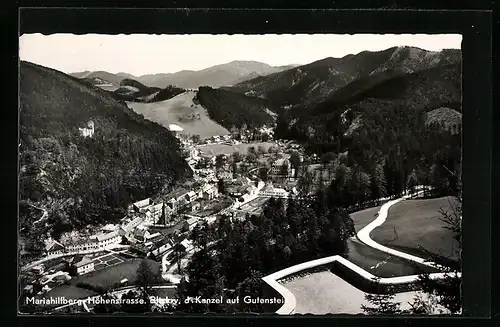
102 75
132 90
384 127
233 109
314 82
288 232
84 180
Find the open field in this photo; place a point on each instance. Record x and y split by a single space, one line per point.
216 149
255 206
180 110
111 276
324 293
380 263
412 224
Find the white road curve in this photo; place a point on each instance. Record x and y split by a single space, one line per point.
364 235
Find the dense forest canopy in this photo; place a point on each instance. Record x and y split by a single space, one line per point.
314 82
85 180
234 109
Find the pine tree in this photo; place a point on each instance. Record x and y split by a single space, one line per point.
381 304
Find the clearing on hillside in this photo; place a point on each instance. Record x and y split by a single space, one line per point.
412 224
180 110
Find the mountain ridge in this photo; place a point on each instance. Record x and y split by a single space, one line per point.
214 76
315 81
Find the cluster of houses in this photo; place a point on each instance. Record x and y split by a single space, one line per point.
55 275
217 139
277 167
180 200
143 213
94 243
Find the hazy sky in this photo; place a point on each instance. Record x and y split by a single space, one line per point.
139 54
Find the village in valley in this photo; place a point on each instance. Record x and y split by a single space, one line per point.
171 182
225 183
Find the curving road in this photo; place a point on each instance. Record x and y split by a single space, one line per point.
364 236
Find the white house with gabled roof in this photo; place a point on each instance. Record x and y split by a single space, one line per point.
54 248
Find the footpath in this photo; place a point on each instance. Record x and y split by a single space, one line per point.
364 236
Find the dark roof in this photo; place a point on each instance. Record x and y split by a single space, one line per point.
140 248
59 266
157 238
55 246
76 258
162 241
139 232
52 284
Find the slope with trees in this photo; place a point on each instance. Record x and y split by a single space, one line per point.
287 232
85 180
314 82
386 126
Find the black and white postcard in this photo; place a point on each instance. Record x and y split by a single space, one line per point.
196 173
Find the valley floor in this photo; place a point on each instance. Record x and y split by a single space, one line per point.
181 111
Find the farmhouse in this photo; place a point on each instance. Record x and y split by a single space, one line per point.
143 205
190 224
108 239
161 246
156 211
83 245
209 192
140 249
133 224
277 167
141 234
274 192
54 248
84 266
236 190
191 196
109 228
177 199
194 206
225 175
87 131
38 269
